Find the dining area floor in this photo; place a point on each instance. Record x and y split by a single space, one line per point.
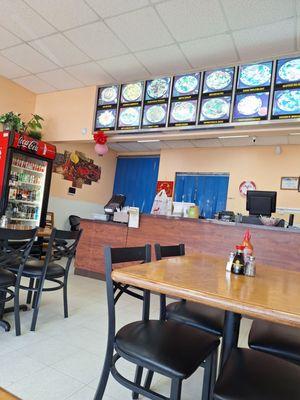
63 358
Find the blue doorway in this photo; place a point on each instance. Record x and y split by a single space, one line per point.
207 191
136 178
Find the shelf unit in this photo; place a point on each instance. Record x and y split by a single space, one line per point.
27 169
22 219
33 203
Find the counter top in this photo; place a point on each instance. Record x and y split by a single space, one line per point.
205 221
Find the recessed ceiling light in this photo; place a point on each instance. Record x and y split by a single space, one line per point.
148 141
233 137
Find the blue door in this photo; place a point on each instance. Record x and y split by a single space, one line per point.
136 178
207 191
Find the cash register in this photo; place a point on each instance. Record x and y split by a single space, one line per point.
116 203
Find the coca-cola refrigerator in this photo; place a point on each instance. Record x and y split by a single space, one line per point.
25 177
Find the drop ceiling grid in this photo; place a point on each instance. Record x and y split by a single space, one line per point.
228 22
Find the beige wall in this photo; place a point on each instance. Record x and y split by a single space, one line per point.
98 192
66 113
259 164
15 98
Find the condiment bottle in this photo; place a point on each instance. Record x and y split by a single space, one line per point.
238 264
248 248
250 269
230 261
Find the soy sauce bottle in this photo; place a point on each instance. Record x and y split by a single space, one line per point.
238 264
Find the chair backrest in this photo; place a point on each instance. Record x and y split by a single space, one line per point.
50 219
15 246
74 221
169 251
115 256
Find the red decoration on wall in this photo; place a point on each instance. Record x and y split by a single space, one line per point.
100 137
245 186
167 186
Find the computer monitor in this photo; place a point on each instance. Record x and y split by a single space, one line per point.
261 202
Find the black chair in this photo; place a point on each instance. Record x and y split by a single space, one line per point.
74 221
278 340
15 246
252 375
166 347
199 316
62 247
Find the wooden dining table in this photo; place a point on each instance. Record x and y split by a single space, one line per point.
273 294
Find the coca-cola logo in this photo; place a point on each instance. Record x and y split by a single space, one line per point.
28 144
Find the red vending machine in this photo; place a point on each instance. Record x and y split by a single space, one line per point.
25 176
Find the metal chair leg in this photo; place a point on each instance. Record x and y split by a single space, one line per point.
65 296
17 312
176 389
35 296
37 301
206 378
148 379
137 380
29 294
213 378
106 370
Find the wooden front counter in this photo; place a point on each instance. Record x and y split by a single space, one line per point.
277 247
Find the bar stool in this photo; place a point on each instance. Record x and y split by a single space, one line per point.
279 340
167 347
252 375
199 316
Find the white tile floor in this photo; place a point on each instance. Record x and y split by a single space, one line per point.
63 358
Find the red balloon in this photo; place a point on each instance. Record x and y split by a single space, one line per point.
101 149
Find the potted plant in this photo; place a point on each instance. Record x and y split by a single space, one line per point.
12 122
34 127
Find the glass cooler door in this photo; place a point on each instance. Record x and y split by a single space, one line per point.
26 190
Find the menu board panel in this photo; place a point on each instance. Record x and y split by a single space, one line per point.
107 103
218 81
129 118
251 106
255 77
186 87
253 92
156 102
286 100
183 113
215 110
132 93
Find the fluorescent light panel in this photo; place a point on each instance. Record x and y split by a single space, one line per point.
233 137
148 141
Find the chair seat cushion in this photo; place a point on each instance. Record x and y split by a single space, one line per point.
279 340
33 268
7 278
199 316
252 375
166 347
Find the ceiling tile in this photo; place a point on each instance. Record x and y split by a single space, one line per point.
34 84
293 139
236 142
60 79
90 74
249 13
64 14
141 29
163 60
116 147
23 21
206 142
97 41
124 68
109 8
10 70
7 39
266 41
210 52
134 146
191 19
271 140
175 144
298 33
59 50
28 58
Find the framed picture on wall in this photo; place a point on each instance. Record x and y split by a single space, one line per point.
289 183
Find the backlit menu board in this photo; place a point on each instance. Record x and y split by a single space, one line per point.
106 113
286 100
156 101
184 100
253 92
216 96
130 105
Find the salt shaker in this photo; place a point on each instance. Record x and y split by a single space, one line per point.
250 269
